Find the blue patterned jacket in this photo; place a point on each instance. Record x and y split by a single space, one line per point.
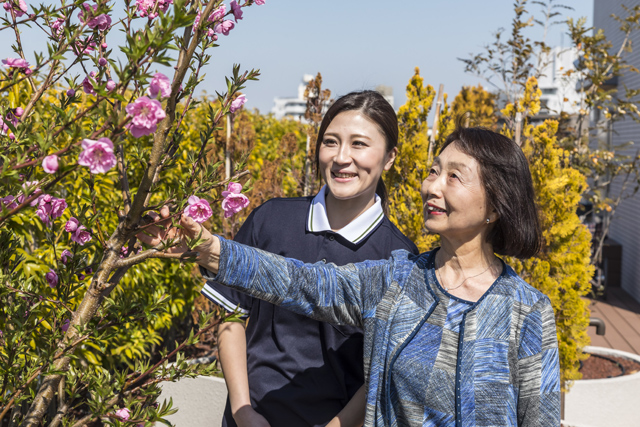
503 371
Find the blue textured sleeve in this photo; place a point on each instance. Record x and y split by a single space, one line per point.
539 369
321 291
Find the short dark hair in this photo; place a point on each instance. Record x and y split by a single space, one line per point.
505 176
375 107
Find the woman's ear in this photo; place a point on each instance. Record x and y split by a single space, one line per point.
391 157
493 216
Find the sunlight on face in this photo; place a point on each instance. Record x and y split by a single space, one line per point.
454 199
353 156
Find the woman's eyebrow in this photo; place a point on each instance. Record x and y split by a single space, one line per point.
459 166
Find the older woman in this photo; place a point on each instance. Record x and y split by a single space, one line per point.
453 337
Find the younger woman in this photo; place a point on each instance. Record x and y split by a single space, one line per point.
285 369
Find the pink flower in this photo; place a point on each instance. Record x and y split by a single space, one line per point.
237 103
97 155
58 207
232 187
66 255
50 164
15 63
233 201
237 10
111 85
148 7
81 236
87 86
259 2
159 84
57 26
19 9
9 202
71 93
52 278
218 14
102 61
65 325
224 27
49 208
72 225
146 114
101 22
123 413
198 209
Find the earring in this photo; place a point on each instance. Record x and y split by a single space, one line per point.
488 220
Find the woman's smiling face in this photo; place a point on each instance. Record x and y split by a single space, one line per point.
454 199
352 156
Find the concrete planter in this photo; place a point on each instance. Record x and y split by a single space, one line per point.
200 401
605 402
610 402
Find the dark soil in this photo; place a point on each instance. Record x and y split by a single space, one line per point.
596 367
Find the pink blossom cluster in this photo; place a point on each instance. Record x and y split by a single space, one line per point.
198 209
160 84
79 232
217 22
57 26
19 7
145 114
151 8
233 201
101 22
18 63
97 155
49 208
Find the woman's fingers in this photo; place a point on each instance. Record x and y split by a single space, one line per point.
164 211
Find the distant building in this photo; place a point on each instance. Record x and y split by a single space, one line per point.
292 107
558 90
295 108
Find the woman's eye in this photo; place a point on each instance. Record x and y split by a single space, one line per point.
359 143
329 142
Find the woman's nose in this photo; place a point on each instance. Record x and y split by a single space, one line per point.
343 155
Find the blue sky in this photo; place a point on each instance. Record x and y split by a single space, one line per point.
357 44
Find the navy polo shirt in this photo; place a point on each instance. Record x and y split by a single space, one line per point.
303 372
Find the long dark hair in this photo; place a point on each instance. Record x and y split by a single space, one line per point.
373 105
505 176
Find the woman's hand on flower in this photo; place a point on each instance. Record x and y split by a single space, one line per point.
207 250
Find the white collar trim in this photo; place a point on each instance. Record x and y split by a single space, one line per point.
356 230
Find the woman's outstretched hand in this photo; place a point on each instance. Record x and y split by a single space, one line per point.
207 250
